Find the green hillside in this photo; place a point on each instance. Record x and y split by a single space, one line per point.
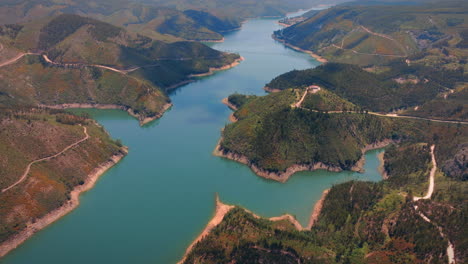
447 106
141 69
30 82
326 101
385 91
373 33
274 136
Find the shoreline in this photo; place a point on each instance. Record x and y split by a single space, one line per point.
212 70
285 175
271 90
142 119
381 167
232 118
231 106
63 210
283 24
317 209
212 40
312 54
222 209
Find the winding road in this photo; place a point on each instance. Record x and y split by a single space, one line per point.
15 59
430 191
28 168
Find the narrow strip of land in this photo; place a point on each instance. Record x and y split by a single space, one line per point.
28 168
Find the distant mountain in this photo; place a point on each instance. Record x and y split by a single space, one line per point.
368 33
243 9
157 22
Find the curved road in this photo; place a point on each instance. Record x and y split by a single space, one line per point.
28 168
15 59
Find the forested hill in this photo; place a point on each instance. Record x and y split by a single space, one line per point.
367 33
400 86
158 22
93 62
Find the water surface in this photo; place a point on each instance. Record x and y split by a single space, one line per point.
149 207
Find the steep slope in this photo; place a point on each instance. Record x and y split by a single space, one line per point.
46 160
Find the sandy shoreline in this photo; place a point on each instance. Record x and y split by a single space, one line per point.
222 68
220 212
312 54
142 119
231 106
74 201
317 209
285 175
232 118
283 24
271 90
211 40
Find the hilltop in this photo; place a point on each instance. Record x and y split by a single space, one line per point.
374 33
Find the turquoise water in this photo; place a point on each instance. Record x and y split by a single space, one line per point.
149 207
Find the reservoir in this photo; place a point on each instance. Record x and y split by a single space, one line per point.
150 206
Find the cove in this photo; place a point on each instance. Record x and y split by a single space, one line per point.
150 206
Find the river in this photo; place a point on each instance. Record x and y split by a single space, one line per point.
149 207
